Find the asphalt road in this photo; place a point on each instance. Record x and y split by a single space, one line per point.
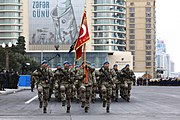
147 103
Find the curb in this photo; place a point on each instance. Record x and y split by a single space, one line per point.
13 91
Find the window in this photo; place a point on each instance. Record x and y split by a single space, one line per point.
148 57
131 3
148 9
148 30
131 9
148 36
132 47
148 14
131 20
148 47
148 25
148 63
148 19
131 31
131 14
148 3
132 25
131 41
131 36
148 41
133 52
148 52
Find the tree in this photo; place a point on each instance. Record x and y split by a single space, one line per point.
20 45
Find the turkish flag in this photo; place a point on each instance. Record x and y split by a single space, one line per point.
83 37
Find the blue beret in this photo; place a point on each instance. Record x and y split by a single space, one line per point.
106 62
65 62
115 65
127 65
58 64
44 62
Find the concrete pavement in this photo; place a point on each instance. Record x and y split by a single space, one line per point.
10 91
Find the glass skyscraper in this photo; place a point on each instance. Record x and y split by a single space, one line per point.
109 25
10 20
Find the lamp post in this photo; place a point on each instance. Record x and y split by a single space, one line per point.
7 54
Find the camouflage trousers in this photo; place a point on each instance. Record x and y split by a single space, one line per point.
106 92
94 89
116 90
43 95
57 90
125 89
66 93
85 93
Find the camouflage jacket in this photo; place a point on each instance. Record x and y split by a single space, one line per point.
127 74
44 76
107 76
91 76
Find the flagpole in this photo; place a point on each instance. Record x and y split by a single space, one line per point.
84 60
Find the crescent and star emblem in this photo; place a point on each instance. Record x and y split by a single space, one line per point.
84 31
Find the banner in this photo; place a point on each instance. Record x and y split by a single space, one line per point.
54 21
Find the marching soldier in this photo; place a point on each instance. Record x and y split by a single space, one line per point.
43 83
117 83
66 85
128 77
107 78
87 82
57 79
94 87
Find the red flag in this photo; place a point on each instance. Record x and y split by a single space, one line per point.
83 37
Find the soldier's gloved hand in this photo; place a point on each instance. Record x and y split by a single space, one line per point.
94 84
84 75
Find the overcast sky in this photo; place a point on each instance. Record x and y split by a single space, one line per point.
168 27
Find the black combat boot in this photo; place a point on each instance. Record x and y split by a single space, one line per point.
68 110
44 110
86 110
40 104
107 109
83 104
63 103
104 103
116 99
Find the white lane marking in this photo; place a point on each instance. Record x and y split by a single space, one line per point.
29 101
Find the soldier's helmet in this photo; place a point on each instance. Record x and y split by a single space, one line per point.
65 62
106 62
44 62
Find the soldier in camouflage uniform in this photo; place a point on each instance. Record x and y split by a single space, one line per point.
128 77
87 82
107 78
94 87
43 83
77 84
117 83
66 85
57 80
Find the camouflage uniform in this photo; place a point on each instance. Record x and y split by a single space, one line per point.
107 78
117 83
43 83
85 88
57 79
127 82
66 86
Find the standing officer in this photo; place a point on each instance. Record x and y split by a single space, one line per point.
107 78
43 83
66 85
128 76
